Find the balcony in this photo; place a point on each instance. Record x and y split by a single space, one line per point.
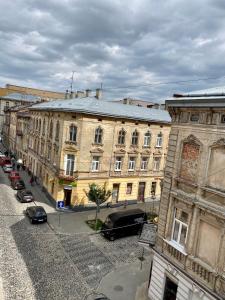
61 175
19 132
205 274
174 253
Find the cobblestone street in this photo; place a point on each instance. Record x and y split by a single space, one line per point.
39 263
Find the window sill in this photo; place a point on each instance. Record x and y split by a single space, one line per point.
176 246
117 170
70 142
96 144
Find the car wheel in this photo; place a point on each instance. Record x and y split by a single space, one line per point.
112 238
31 221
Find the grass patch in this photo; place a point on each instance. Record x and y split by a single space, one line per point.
93 225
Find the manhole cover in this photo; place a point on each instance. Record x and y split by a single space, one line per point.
118 288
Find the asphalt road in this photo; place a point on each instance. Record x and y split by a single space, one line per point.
41 262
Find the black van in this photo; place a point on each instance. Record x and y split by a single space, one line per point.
123 223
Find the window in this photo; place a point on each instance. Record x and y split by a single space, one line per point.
131 165
129 188
147 139
144 163
156 163
43 128
73 133
95 163
7 104
170 290
39 126
159 140
121 137
36 126
70 162
180 227
118 163
134 140
57 129
223 119
50 129
194 117
153 188
98 135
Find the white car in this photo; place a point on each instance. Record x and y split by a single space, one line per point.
7 168
2 154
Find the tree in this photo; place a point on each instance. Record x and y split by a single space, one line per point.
98 195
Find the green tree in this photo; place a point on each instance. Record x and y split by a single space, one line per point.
98 195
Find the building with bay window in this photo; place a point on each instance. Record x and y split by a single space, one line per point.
189 255
75 142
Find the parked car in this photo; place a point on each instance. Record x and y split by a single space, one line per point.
123 223
2 154
36 214
25 196
18 184
4 160
7 168
14 175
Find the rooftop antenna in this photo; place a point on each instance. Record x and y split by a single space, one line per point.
71 83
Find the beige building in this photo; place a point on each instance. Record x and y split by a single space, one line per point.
75 142
189 256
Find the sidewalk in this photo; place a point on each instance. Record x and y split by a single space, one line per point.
127 282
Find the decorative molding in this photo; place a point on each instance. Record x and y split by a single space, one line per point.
120 151
172 270
197 291
219 143
97 150
192 139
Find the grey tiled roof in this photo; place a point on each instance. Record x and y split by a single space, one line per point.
21 97
93 106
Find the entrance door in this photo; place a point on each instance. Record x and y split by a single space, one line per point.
170 291
115 192
67 197
141 191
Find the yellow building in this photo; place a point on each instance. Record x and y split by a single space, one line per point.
75 142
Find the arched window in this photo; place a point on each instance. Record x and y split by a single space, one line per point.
50 129
57 129
98 135
147 139
121 137
134 140
159 140
43 128
73 133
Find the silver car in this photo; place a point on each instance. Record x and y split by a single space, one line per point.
7 168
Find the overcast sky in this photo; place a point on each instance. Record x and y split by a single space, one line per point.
116 43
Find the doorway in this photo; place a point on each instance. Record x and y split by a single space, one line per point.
67 196
115 192
170 291
141 191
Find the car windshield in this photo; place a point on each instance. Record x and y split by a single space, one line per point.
39 212
27 193
108 222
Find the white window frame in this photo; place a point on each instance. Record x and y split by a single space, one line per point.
144 163
131 164
181 224
118 163
95 164
98 135
156 163
147 139
121 137
159 140
69 165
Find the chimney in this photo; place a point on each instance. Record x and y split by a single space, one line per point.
80 94
98 94
72 95
88 93
67 94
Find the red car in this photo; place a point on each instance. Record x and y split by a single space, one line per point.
14 175
5 161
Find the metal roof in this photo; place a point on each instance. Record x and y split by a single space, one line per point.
92 106
21 97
